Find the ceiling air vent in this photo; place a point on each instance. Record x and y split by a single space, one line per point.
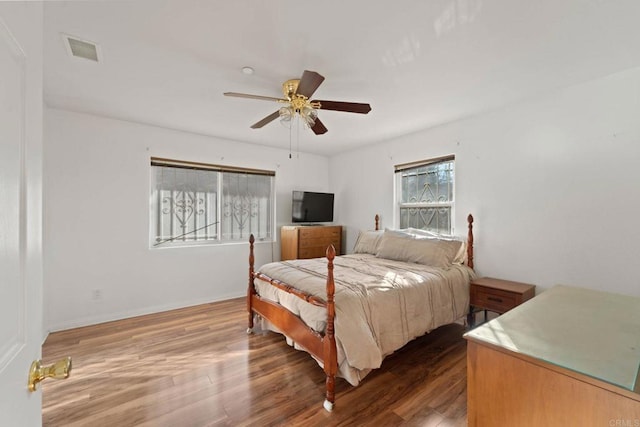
81 48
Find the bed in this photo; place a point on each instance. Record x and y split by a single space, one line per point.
349 312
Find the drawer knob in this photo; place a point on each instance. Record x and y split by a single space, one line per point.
496 299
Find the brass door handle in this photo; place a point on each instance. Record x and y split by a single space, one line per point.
59 370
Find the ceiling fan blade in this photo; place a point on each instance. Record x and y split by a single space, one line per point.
309 82
349 107
271 117
246 95
318 128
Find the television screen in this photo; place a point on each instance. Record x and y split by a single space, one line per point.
312 207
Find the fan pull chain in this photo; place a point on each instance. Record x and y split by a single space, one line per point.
290 124
298 141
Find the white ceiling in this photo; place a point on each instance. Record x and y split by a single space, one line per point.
418 63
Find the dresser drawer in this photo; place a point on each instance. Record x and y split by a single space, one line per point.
320 233
318 241
313 252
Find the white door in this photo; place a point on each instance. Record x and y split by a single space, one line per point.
20 213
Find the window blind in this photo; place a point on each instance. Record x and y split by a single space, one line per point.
157 161
419 163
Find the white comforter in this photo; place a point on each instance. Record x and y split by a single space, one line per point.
381 304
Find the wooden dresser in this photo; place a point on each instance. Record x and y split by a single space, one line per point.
569 356
309 241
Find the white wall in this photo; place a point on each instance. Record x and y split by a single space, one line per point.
553 184
97 219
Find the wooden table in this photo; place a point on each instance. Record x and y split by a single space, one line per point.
570 356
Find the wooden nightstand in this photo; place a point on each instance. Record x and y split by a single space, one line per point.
496 295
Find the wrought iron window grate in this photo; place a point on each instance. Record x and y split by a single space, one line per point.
196 206
426 195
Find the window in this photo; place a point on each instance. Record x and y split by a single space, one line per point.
194 203
425 194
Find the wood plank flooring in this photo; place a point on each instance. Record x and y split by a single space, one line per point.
197 367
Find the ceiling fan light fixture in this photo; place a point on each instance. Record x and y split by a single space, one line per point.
309 115
286 114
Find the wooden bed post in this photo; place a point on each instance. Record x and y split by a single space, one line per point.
251 290
470 242
330 358
377 222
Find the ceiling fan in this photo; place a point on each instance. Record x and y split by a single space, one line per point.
296 97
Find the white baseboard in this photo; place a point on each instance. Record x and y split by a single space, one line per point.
109 317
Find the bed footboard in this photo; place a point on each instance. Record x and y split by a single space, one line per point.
321 345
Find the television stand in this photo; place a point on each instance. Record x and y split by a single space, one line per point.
309 241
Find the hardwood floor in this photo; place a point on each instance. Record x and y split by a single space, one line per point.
197 367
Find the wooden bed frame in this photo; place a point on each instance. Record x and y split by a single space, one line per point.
321 345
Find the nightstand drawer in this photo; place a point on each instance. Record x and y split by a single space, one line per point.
496 295
493 299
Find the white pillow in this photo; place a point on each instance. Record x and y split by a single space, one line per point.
458 245
393 245
407 248
434 252
461 253
367 242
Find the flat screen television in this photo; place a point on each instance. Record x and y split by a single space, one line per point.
308 206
